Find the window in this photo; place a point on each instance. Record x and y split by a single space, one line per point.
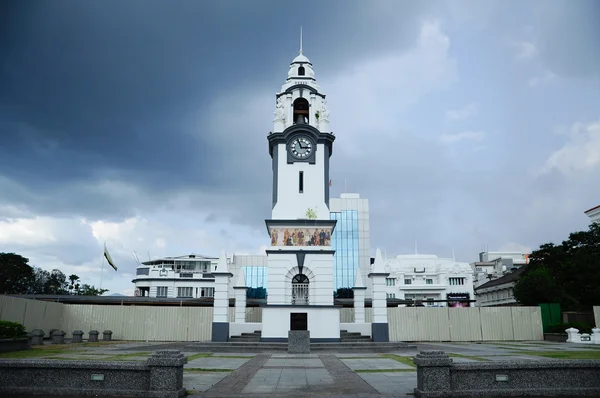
408 281
162 291
456 281
390 282
391 295
478 269
185 291
300 289
301 71
429 281
301 182
207 291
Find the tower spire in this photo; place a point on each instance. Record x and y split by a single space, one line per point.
300 39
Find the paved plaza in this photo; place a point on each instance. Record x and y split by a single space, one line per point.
278 374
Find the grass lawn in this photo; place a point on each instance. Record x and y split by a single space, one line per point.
405 360
451 355
591 354
383 370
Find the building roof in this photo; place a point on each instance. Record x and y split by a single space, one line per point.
510 277
592 209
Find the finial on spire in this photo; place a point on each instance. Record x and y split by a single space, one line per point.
300 39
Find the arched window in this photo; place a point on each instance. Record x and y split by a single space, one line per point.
301 110
301 71
300 289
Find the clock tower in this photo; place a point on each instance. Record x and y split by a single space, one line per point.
300 259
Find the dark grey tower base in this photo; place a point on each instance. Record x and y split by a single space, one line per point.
380 332
220 331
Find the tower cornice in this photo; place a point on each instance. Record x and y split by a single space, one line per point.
303 86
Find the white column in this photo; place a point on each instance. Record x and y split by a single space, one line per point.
360 291
220 324
379 326
359 304
240 304
379 298
221 303
239 289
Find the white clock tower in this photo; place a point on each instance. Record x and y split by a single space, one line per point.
300 260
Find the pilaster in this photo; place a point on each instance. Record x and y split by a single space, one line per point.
220 325
239 290
379 326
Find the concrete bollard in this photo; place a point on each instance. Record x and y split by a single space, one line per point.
37 337
77 336
433 373
93 336
596 336
58 337
107 335
572 335
166 371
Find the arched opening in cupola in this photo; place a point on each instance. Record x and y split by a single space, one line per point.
301 71
301 111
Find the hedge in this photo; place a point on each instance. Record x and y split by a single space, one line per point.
11 330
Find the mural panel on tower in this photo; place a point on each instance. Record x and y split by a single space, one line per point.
301 236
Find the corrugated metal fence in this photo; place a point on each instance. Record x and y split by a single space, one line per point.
465 324
154 323
31 313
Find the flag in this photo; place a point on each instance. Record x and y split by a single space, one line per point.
329 182
108 258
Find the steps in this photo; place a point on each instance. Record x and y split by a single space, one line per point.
247 337
351 337
254 347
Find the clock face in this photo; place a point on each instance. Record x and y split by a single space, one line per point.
301 148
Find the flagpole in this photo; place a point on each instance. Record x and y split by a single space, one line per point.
102 270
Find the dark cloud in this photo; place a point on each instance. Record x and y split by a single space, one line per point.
98 91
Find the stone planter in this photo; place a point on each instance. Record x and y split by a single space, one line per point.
10 345
559 337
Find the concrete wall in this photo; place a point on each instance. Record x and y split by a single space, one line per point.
438 376
160 376
597 315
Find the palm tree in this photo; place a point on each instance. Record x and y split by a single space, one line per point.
74 287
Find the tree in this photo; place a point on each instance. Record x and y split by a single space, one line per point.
344 292
566 273
16 275
73 286
87 290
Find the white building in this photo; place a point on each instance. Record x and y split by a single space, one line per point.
499 291
190 276
493 265
429 279
350 240
594 214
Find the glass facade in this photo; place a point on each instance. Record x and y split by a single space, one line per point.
345 243
256 276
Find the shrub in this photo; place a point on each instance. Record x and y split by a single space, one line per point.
561 327
11 330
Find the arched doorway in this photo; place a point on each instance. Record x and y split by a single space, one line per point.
301 107
300 290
